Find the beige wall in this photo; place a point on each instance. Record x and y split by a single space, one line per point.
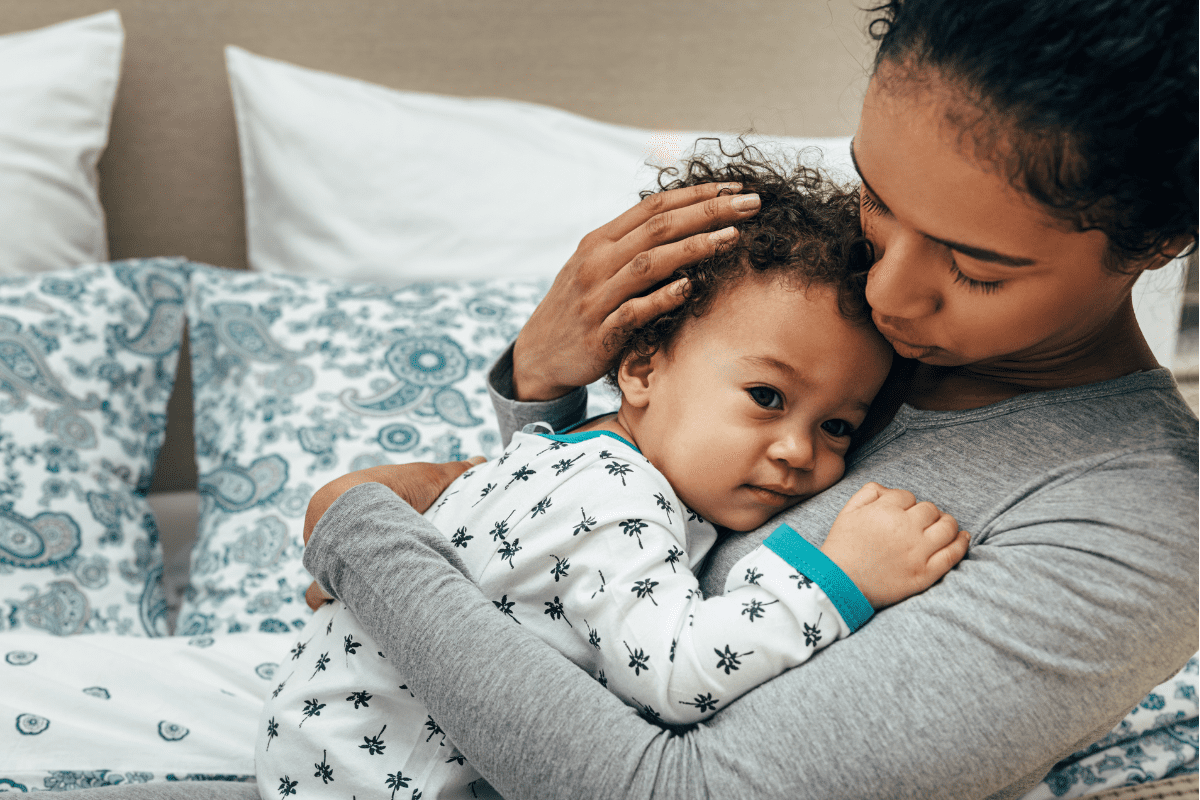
170 179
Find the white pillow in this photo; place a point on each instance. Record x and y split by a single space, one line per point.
352 180
57 86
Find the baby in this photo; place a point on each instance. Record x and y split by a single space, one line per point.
739 404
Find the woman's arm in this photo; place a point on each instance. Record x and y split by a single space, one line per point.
418 483
1031 649
513 415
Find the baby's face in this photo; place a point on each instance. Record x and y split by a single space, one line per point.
750 410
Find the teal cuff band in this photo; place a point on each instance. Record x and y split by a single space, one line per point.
816 566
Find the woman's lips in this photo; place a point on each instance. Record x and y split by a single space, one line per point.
896 339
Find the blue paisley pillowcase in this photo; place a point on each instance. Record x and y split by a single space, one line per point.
298 381
87 363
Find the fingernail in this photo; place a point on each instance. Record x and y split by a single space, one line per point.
728 187
745 202
723 235
476 460
679 289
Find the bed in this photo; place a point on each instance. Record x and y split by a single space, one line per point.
305 229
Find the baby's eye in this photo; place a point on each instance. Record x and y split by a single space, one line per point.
837 427
765 397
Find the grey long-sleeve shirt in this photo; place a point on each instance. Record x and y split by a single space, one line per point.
1078 595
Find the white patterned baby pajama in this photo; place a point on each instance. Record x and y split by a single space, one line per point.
579 539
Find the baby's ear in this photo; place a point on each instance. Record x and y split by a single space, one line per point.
634 379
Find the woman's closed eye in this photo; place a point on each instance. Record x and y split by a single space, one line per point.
871 203
987 287
837 427
765 396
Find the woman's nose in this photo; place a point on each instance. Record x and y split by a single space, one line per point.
899 283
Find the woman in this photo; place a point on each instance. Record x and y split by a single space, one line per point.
1022 164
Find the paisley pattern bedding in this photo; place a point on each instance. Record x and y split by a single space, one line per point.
102 710
298 381
87 363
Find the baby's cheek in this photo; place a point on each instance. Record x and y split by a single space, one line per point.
831 470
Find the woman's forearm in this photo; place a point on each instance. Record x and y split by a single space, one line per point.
965 691
865 719
513 414
505 698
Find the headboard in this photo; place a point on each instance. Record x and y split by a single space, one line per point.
170 181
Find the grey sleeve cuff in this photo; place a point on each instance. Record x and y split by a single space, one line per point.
513 415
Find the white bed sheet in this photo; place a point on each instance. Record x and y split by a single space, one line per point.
104 709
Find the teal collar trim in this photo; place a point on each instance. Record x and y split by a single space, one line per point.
572 438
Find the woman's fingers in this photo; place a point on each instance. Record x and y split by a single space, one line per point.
568 341
678 237
420 484
315 596
640 310
671 216
665 202
652 267
417 483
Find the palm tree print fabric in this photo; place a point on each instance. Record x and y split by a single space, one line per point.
298 381
87 364
580 540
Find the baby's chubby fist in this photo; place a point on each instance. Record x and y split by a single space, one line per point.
891 546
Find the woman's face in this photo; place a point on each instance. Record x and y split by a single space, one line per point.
970 271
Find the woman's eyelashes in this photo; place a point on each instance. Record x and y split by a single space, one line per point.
871 203
765 396
987 287
837 427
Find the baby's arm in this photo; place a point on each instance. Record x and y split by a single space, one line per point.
655 641
783 602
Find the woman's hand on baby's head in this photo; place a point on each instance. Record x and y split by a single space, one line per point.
602 291
891 546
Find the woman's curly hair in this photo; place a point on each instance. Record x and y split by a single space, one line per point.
807 233
1098 99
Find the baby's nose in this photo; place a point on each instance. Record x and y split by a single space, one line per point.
796 450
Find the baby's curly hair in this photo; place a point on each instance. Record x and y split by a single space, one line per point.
807 233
